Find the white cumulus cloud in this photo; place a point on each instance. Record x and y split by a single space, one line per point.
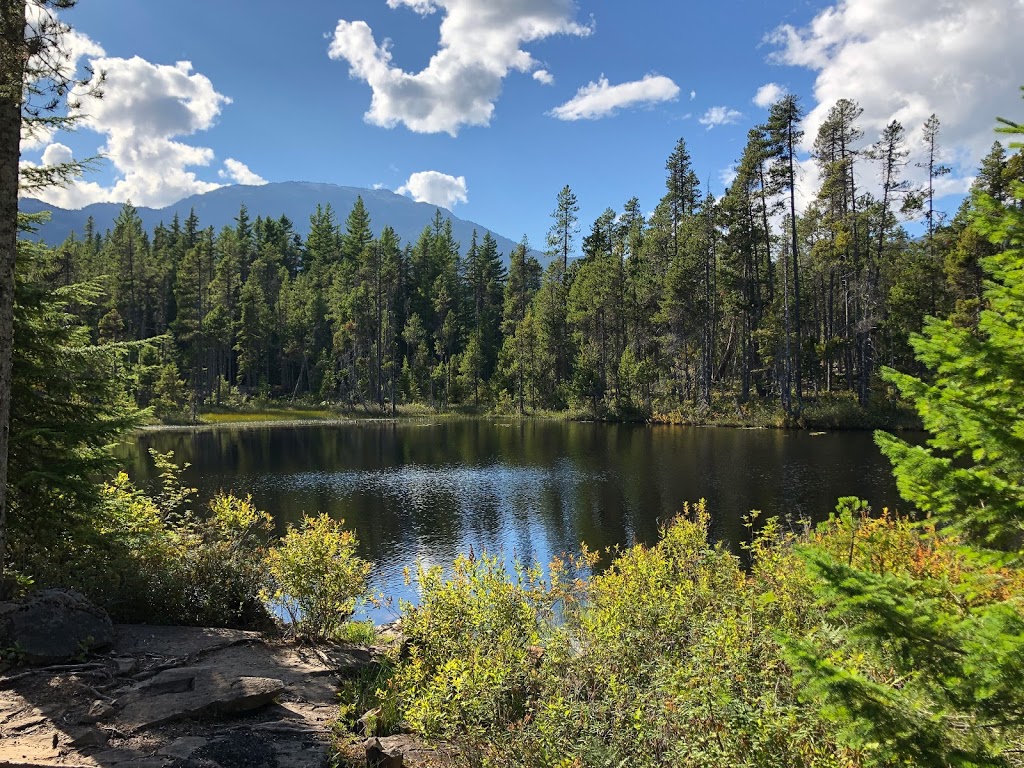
57 154
544 77
481 42
719 116
693 95
435 188
907 59
768 94
145 109
601 99
240 173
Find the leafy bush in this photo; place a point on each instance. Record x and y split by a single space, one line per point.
316 576
150 558
678 655
219 574
668 657
470 670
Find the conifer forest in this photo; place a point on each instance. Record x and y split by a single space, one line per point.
705 302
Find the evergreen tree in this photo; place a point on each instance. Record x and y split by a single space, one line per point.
935 169
565 227
682 196
258 326
357 233
485 279
962 261
127 253
191 293
518 347
592 310
551 332
552 315
69 408
891 154
837 250
784 135
223 316
324 242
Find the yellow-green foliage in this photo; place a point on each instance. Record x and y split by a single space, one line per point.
469 668
680 654
316 575
668 657
151 559
220 568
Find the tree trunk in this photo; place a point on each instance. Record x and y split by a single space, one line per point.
12 73
797 365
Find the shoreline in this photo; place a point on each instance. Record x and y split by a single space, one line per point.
857 421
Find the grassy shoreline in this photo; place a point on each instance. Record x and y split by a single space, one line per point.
828 413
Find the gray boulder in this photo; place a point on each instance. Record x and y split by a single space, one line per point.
54 625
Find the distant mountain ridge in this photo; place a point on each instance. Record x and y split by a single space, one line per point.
294 199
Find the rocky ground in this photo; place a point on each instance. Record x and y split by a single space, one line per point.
162 697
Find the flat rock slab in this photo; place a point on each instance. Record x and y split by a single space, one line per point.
179 697
192 692
134 640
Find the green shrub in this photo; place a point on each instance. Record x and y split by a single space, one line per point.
218 574
316 577
668 657
152 559
469 669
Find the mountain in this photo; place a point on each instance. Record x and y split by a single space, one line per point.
294 199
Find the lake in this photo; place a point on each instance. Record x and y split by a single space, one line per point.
427 490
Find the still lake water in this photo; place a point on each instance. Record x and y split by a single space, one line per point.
420 490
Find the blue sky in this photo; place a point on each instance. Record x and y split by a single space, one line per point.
497 122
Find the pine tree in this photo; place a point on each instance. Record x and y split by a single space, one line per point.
324 241
357 233
935 169
192 297
784 136
837 250
592 308
565 228
127 253
258 327
485 278
223 316
69 409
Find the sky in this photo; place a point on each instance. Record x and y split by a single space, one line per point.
490 107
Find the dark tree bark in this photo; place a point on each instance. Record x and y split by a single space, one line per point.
13 54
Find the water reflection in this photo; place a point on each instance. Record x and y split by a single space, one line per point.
533 488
